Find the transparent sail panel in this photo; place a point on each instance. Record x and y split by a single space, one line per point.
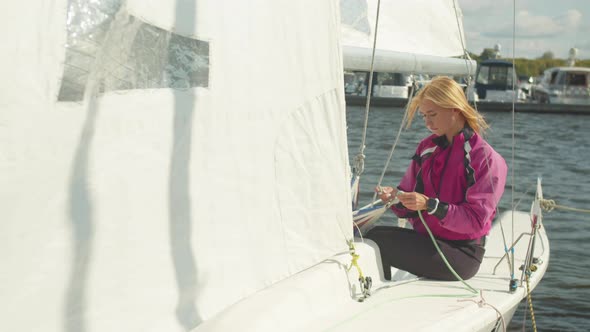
353 13
120 52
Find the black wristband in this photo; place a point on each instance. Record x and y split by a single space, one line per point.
432 205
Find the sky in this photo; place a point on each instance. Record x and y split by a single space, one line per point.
541 26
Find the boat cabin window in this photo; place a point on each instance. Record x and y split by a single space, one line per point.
576 79
501 75
482 76
396 79
560 79
495 75
553 76
354 83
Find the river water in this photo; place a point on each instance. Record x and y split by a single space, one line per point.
555 147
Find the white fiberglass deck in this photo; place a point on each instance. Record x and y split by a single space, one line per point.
322 298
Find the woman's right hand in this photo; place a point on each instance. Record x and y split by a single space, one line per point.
386 193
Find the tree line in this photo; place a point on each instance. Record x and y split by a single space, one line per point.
530 67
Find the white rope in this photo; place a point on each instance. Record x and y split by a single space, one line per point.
482 303
549 205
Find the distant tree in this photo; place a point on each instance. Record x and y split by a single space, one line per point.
474 56
488 53
536 67
548 56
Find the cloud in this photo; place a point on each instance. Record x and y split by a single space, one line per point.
533 26
537 26
541 25
476 7
571 19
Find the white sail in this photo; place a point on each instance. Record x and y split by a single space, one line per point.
153 152
418 37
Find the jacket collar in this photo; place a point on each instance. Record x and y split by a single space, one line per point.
443 142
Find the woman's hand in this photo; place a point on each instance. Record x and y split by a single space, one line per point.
413 201
386 193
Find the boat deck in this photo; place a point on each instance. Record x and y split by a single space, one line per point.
323 298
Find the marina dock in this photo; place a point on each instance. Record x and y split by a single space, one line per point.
523 107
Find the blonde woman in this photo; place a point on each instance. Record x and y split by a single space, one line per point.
455 179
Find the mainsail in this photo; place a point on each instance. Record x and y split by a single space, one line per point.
161 160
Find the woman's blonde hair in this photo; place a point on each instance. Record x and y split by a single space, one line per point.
447 93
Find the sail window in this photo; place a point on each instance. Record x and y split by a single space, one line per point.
354 14
109 50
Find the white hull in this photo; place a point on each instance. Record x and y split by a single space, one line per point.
324 296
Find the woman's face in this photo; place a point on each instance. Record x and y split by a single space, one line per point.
441 121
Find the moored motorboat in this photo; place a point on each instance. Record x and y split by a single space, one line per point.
564 86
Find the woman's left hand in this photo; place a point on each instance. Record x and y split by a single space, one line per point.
413 201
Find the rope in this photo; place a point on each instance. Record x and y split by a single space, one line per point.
471 289
530 300
354 261
365 282
482 302
549 205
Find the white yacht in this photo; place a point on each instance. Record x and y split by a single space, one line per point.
564 85
493 83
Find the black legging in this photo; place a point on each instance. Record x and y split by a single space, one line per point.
410 251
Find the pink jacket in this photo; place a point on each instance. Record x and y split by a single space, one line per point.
468 178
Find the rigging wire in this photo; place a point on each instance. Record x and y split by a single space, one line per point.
468 64
365 281
469 81
401 126
360 157
509 259
528 268
513 132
